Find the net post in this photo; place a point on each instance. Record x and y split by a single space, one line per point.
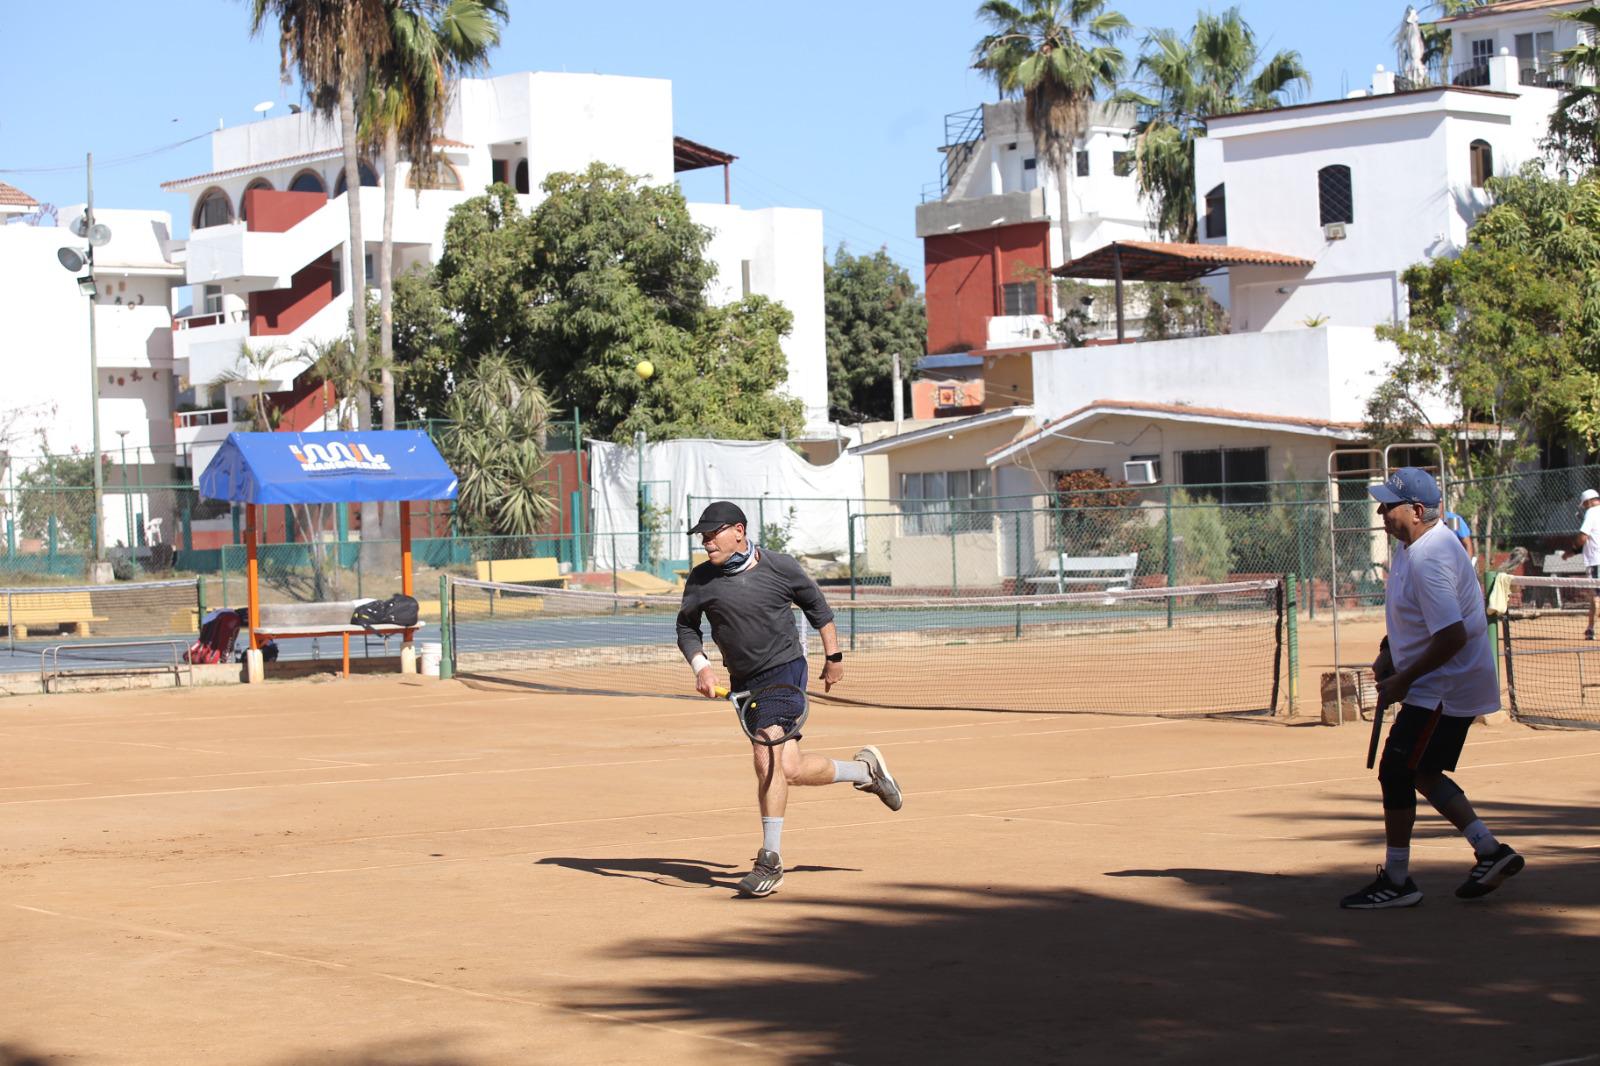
950 520
447 642
850 531
1291 588
1017 579
1171 563
199 604
1494 630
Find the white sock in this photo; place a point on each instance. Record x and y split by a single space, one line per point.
1397 864
771 832
1482 841
852 770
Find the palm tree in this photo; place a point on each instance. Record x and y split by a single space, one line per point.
432 43
1217 71
1059 55
335 363
331 45
1575 123
495 440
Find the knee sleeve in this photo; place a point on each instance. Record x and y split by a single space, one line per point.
1398 782
1443 792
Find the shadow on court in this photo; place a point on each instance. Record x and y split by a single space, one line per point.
1514 823
18 1055
433 1051
687 873
1178 965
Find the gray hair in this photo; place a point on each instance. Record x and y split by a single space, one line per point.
1430 514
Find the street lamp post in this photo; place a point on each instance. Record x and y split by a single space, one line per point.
94 379
127 501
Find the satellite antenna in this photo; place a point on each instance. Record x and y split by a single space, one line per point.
262 108
71 259
99 234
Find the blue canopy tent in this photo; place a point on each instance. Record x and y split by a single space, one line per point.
394 466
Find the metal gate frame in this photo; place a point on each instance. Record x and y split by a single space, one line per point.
1334 529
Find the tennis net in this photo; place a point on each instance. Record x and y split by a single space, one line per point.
1209 649
1551 667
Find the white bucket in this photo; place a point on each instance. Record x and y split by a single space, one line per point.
429 653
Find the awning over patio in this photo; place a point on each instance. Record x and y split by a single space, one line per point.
1167 261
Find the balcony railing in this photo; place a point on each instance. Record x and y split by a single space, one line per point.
215 318
216 416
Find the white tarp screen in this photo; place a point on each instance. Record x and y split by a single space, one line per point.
742 471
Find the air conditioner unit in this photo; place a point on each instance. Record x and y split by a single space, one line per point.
1140 472
1334 231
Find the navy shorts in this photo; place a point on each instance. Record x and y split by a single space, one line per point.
1444 747
779 712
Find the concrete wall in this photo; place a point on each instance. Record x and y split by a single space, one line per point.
1324 373
963 278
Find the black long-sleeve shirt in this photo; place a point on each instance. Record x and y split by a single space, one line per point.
750 614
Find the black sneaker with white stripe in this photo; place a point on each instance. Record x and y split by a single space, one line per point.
1490 872
763 878
1383 893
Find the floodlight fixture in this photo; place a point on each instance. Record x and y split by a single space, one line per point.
70 259
86 285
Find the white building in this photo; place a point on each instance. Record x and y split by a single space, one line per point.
280 278
994 231
44 347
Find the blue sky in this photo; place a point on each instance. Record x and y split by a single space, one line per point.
830 104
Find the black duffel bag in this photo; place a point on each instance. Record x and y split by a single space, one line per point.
397 610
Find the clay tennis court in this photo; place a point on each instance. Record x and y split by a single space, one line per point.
396 871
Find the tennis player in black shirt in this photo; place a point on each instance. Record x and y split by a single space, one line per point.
748 594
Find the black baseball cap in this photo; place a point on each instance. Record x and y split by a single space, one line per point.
719 514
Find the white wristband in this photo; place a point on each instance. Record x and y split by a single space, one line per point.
699 663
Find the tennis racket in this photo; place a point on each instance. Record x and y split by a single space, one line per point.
784 706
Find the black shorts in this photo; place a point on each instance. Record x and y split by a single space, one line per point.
1594 571
1444 747
771 712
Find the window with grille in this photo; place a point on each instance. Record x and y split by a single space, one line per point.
1336 203
1217 212
1482 163
1083 164
945 502
1021 298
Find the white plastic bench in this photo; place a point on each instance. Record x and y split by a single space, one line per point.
1563 566
1111 572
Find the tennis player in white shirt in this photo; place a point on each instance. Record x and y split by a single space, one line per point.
1436 661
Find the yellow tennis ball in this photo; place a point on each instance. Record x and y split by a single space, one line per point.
645 369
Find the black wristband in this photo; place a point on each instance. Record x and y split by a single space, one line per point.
836 657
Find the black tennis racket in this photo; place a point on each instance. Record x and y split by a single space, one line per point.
783 706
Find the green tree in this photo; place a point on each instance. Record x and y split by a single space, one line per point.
607 273
495 444
427 351
59 487
1218 70
1575 124
1059 55
431 44
873 311
1505 334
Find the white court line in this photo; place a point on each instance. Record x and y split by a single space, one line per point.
657 841
312 769
683 756
114 743
1572 1062
218 943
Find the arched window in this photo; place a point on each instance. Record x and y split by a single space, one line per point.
1482 163
522 176
213 209
445 176
307 181
1216 221
1335 200
368 177
244 200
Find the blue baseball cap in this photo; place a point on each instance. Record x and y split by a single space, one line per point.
1409 484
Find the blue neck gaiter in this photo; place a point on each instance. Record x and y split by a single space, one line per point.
737 562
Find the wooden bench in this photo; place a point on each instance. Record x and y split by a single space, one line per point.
284 621
1110 572
544 572
72 612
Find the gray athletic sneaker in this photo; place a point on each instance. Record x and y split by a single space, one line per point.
763 878
882 784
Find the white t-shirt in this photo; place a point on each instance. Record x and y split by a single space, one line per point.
1591 531
1432 586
